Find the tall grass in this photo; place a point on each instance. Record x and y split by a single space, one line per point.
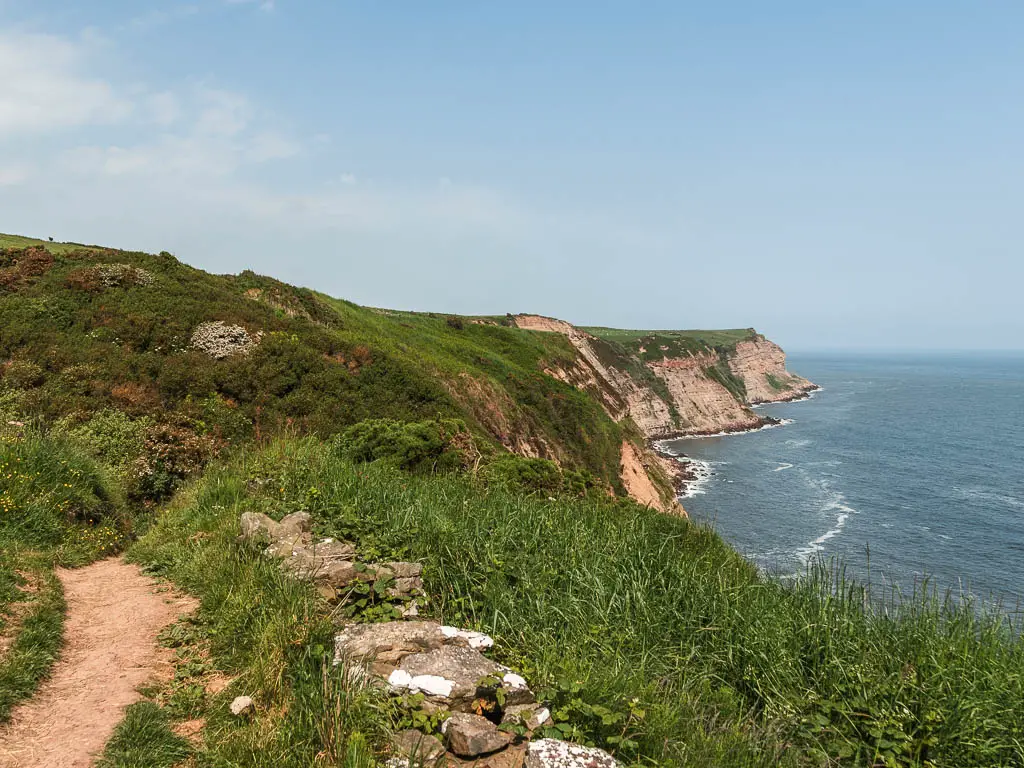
636 622
269 634
57 506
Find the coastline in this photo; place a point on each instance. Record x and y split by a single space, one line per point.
689 475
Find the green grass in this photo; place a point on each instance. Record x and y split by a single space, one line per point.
57 506
269 633
144 739
676 343
37 638
17 241
634 624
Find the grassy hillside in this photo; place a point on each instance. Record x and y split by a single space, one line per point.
647 635
88 332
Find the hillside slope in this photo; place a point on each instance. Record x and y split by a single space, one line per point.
206 361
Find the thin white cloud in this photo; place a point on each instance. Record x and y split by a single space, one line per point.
158 17
14 175
44 87
264 5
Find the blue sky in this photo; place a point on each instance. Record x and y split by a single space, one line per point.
838 175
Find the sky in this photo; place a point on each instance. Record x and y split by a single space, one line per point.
837 175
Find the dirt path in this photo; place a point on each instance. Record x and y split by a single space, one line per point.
114 616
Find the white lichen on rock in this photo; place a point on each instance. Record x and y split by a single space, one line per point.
114 275
220 340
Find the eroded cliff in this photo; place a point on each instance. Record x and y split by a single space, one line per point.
672 383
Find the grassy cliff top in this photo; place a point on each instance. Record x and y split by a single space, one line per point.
654 345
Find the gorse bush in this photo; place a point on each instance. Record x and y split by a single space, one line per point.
425 446
543 476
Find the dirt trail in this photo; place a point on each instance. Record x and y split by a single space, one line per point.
113 618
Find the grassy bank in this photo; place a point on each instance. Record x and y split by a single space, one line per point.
649 635
57 507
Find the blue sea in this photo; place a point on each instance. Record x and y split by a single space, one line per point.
904 466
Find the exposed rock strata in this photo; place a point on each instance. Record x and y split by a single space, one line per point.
762 366
677 396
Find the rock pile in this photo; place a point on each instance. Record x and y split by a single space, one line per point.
114 275
220 340
331 565
443 666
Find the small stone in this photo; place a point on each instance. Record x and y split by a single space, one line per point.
242 705
297 522
417 746
257 527
531 716
551 753
404 570
406 587
469 735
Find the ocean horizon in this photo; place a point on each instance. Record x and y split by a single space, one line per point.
906 467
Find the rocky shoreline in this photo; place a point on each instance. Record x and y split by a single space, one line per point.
687 473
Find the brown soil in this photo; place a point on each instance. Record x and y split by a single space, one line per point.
110 649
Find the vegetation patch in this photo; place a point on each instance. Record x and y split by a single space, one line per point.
652 637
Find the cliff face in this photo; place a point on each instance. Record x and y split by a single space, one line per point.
683 387
761 365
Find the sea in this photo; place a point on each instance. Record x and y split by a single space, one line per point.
906 468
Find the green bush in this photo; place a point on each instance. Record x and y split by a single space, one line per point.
542 476
111 436
23 374
424 446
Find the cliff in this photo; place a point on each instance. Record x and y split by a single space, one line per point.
673 383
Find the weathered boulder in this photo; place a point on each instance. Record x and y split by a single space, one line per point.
296 522
469 735
385 645
417 747
551 753
462 667
257 527
242 705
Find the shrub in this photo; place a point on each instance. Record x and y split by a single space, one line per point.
422 446
543 476
23 374
171 453
111 436
220 340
